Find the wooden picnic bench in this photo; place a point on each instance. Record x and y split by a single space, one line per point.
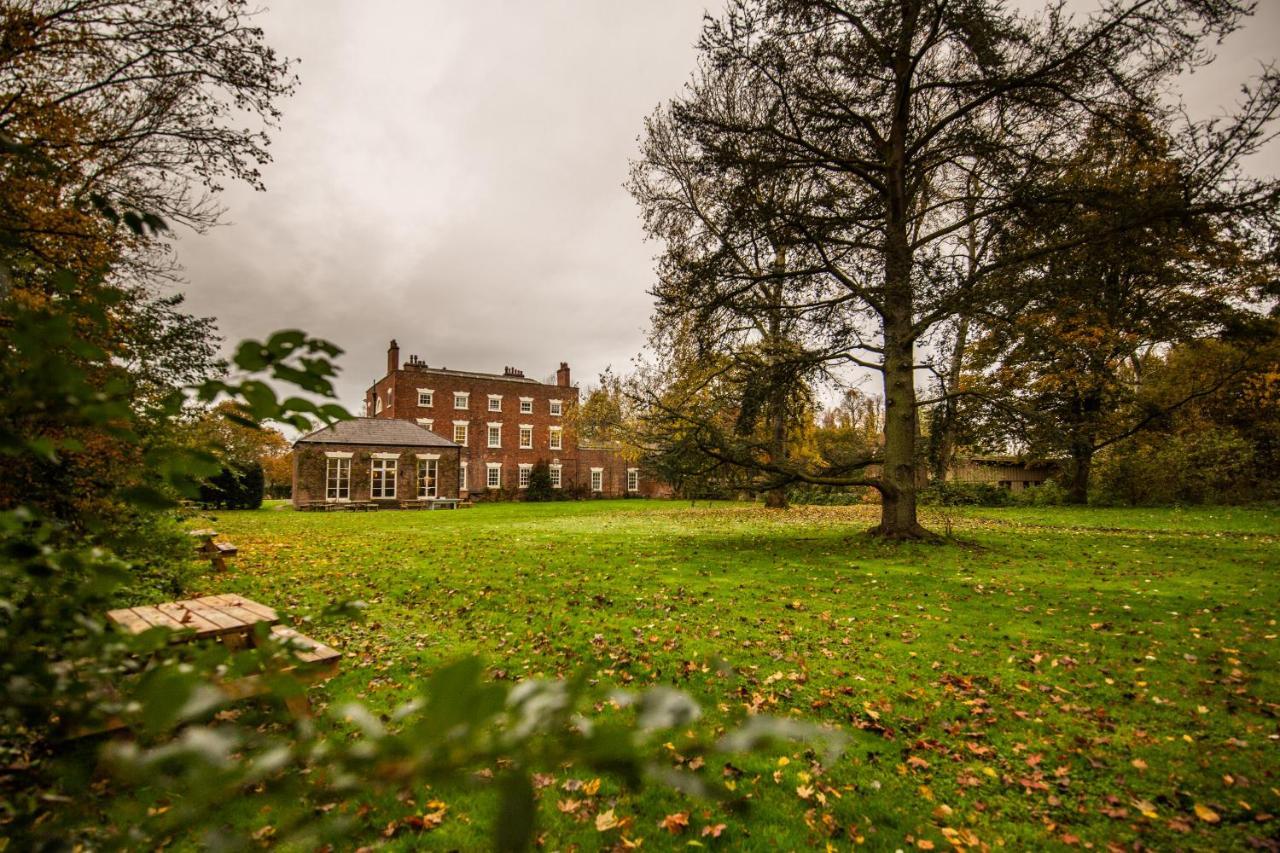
217 552
337 506
430 503
232 620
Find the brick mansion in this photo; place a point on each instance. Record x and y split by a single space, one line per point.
433 433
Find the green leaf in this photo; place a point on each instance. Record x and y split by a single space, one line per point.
516 810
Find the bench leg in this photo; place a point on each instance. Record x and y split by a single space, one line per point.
299 706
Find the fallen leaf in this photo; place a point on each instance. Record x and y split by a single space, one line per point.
675 823
1206 814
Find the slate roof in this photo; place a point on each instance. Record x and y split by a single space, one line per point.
472 374
377 431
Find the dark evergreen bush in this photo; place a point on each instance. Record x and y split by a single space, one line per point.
232 489
540 483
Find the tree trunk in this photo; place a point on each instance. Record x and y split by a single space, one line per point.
945 440
780 388
898 507
1081 465
898 495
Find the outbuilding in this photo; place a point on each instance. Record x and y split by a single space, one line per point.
374 460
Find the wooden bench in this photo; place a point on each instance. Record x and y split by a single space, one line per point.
217 552
431 503
232 620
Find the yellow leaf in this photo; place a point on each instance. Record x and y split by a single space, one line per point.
606 821
1206 814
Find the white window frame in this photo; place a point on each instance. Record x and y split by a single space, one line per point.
597 479
429 423
337 470
464 396
377 405
633 479
557 477
491 481
466 432
555 438
462 477
526 405
525 475
431 463
555 407
491 426
526 431
495 399
387 464
430 396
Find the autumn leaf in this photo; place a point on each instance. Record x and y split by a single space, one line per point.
606 821
675 823
713 830
1206 814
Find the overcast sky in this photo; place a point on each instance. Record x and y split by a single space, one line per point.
450 174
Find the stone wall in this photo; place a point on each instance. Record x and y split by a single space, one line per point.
310 461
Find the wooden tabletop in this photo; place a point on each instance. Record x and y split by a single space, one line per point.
210 616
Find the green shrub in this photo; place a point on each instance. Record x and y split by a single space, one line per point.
540 483
965 494
235 489
1049 493
807 494
1208 466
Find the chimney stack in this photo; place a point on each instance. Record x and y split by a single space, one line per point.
562 375
393 357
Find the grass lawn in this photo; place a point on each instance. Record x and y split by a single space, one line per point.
1057 677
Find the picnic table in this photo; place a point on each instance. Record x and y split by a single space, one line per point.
337 506
430 503
233 620
217 552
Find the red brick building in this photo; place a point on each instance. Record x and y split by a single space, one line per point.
504 424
